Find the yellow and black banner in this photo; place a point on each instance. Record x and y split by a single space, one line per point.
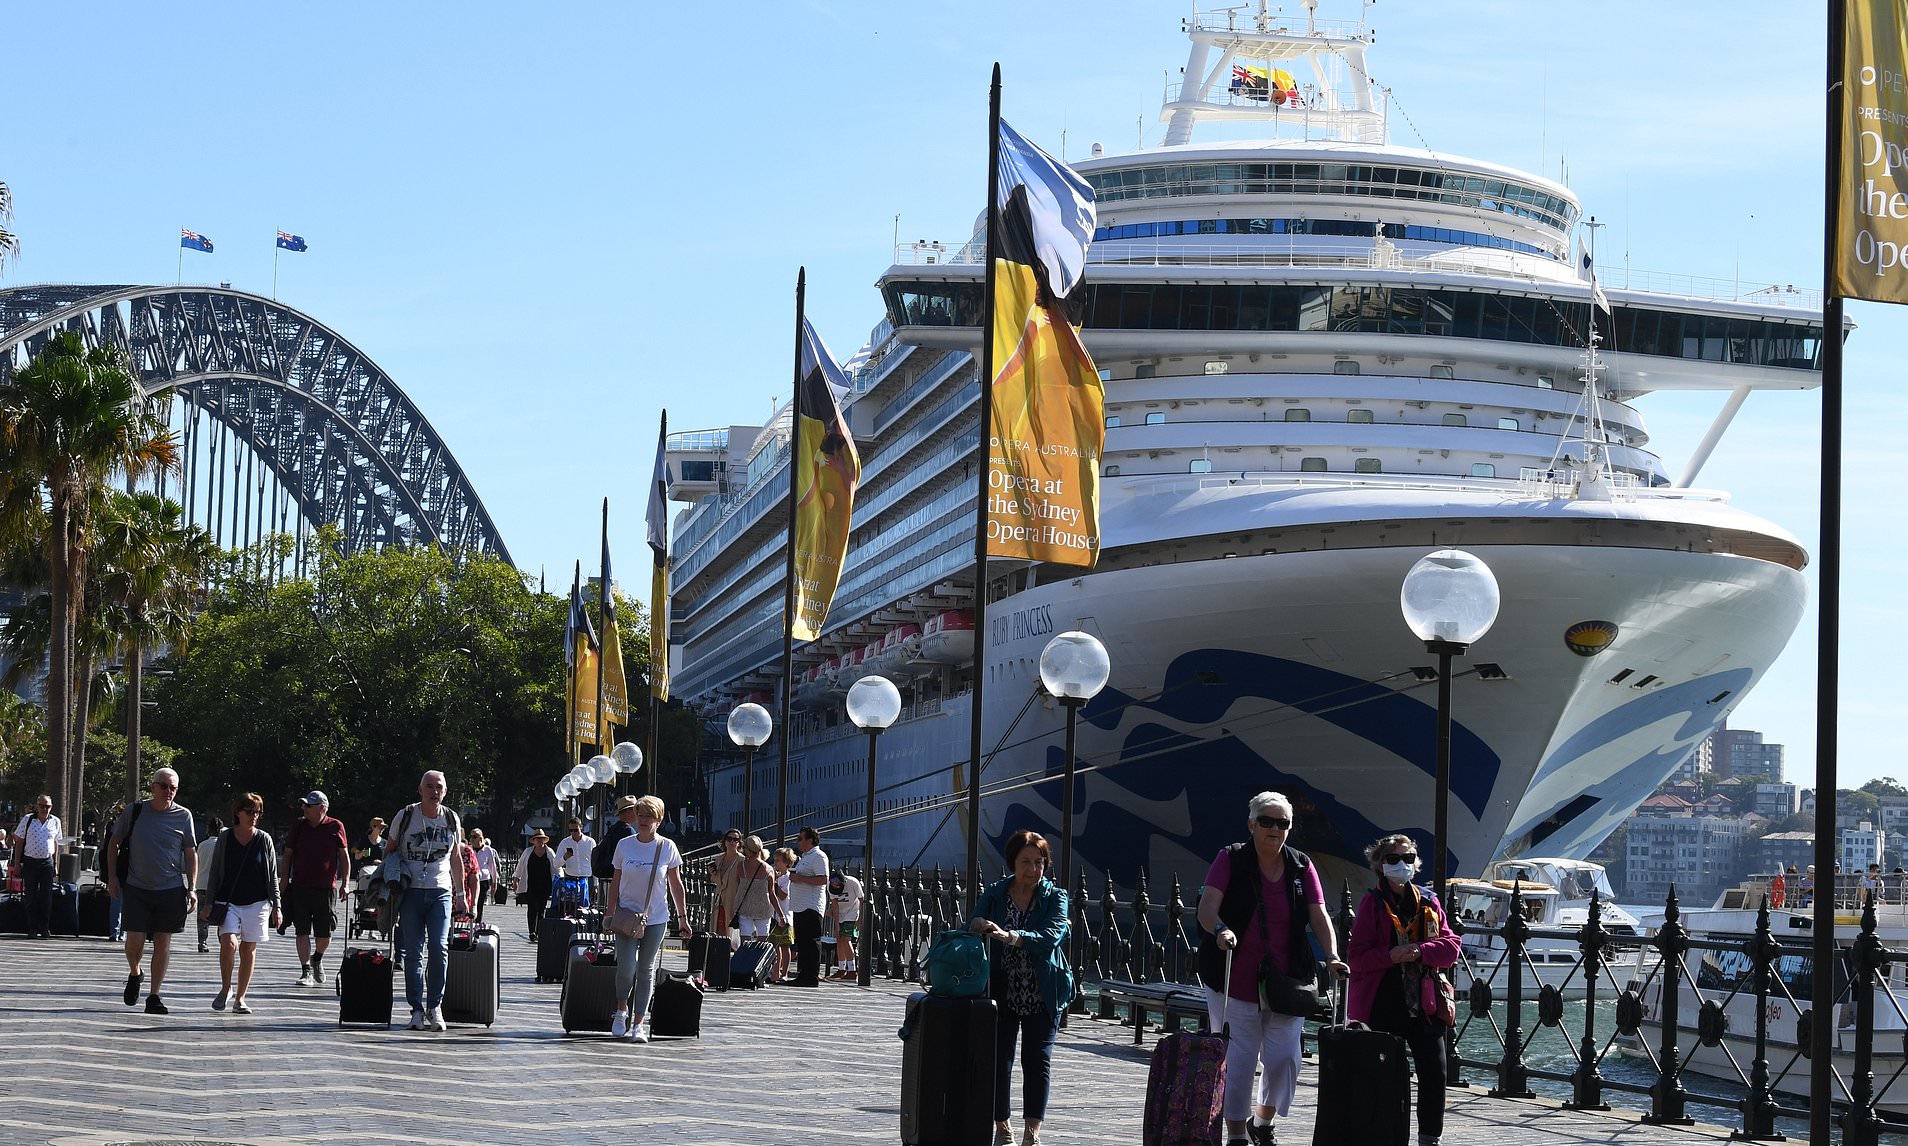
827 469
657 519
1048 421
615 686
1871 256
583 659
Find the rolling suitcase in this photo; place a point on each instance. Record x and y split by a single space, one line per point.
675 1010
473 982
947 1071
1186 1086
752 964
1364 1086
63 918
364 987
95 911
710 955
589 999
555 937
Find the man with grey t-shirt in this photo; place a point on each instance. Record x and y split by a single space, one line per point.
162 865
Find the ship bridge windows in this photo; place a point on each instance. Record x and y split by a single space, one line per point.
1368 466
1296 414
1483 470
1339 228
1312 465
1392 310
1199 466
1156 417
1508 424
1456 420
1112 421
1356 416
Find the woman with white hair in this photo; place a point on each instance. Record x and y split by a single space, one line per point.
1259 897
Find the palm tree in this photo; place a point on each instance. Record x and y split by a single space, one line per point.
9 242
69 420
151 563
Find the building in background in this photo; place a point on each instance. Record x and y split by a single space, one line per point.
1862 845
1740 752
1778 800
1780 851
1698 855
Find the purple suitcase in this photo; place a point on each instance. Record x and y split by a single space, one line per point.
1186 1087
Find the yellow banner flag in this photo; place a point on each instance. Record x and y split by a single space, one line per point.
659 631
615 687
1043 455
827 467
583 695
1871 256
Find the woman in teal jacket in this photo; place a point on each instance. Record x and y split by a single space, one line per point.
1029 978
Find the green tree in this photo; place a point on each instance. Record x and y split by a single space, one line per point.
70 420
151 564
9 242
1884 786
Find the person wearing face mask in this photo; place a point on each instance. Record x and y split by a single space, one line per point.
1398 944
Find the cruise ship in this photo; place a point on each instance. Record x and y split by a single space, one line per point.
1325 356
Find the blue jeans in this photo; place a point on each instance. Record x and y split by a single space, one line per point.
636 968
424 916
1037 1033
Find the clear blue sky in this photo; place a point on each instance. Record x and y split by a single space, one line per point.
547 223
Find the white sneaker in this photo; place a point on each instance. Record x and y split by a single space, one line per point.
435 1020
317 976
417 1020
641 1033
619 1026
305 979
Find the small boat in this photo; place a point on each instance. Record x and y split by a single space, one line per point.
949 638
1554 894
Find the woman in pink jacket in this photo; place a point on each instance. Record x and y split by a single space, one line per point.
1398 944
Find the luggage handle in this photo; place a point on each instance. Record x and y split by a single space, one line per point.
1225 996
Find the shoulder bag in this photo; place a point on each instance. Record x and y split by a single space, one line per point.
1279 992
122 862
631 924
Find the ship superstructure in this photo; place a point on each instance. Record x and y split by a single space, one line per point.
1324 356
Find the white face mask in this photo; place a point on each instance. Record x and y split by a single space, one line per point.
1400 871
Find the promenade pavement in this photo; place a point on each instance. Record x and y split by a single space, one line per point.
775 1066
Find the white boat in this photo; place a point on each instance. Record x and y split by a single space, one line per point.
1725 978
1325 356
1554 893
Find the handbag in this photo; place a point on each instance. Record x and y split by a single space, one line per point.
1280 993
957 965
782 934
628 922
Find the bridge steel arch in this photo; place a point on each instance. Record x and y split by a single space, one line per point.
338 435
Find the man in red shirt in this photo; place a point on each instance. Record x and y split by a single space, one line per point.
314 874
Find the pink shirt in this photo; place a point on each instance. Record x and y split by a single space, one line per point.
1275 907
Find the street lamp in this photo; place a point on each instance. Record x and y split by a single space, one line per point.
749 726
1074 667
1449 600
873 704
625 760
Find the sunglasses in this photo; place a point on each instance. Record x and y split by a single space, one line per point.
1401 857
731 839
1273 823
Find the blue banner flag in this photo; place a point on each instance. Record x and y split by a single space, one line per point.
194 240
290 242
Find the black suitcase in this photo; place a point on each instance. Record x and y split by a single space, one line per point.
556 935
752 964
710 955
95 910
589 999
13 915
947 1072
473 982
64 917
1364 1087
364 987
675 1010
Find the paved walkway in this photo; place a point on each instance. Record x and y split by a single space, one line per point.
774 1066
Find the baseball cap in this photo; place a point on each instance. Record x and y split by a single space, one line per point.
314 798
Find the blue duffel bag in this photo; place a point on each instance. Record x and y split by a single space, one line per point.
957 965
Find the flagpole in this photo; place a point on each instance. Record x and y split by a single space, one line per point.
576 636
655 708
602 629
788 596
275 253
982 465
178 272
1829 578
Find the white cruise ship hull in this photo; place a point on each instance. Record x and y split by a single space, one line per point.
1294 672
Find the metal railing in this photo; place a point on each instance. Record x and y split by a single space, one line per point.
1665 1018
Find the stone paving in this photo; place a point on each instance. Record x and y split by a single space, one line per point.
773 1066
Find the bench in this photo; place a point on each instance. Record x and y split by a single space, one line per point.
1173 1002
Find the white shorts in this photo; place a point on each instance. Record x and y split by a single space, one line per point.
248 921
752 928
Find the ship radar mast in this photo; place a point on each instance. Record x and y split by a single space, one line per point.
1597 480
1261 68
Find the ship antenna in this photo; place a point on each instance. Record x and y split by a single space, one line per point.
1597 469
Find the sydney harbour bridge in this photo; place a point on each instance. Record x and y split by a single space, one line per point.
283 424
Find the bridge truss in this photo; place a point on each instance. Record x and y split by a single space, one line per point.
278 415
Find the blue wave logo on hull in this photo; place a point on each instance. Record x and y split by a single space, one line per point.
1212 776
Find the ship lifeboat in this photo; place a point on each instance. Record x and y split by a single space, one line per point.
809 685
893 662
854 666
949 638
827 671
909 653
871 658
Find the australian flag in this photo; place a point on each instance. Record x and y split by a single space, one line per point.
194 240
290 242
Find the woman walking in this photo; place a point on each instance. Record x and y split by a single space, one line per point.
486 868
1397 946
1028 977
647 884
245 908
750 889
1258 899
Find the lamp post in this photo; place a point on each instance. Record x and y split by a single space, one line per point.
1074 667
1449 600
627 760
602 771
873 704
749 726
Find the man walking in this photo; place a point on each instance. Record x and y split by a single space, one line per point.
312 877
36 845
536 875
574 856
153 880
807 896
428 839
